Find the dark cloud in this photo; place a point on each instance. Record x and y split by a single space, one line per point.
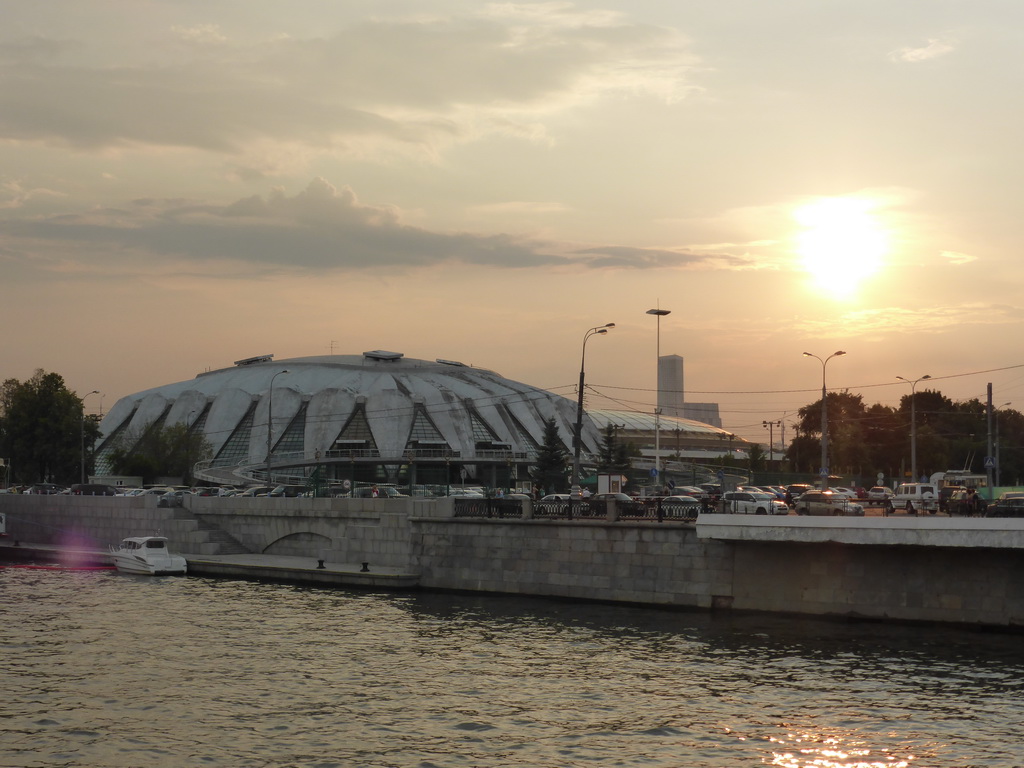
320 228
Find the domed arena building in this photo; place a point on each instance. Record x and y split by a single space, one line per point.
346 419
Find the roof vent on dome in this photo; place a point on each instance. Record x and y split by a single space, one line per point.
254 360
382 354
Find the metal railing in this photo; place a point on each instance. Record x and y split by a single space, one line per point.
584 509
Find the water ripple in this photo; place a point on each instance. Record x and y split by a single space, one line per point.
103 670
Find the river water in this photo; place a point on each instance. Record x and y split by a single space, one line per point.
101 669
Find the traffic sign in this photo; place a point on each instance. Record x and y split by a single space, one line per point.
654 471
990 463
823 472
721 474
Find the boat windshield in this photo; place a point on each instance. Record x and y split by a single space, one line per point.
154 545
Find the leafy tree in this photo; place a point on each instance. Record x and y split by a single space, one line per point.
552 464
43 429
160 452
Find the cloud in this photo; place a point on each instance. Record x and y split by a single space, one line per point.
933 50
320 229
957 258
412 85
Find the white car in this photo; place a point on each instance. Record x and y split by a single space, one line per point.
843 492
752 503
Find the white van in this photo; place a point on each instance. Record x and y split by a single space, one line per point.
915 496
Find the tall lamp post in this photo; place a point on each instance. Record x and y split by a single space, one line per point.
659 313
824 417
770 425
995 415
81 434
913 423
270 419
576 440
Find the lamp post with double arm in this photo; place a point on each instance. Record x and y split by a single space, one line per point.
824 417
659 313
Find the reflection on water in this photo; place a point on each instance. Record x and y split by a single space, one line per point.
108 670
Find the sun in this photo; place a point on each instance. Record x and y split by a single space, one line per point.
841 242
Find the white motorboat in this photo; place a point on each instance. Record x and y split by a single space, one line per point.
149 556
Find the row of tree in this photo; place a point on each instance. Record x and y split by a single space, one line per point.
45 437
867 439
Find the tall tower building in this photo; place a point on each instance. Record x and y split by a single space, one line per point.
671 394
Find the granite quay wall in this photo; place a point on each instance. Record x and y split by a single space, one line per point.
660 564
932 584
376 531
341 530
665 564
94 522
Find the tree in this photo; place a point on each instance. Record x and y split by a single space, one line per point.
552 464
43 429
612 455
160 452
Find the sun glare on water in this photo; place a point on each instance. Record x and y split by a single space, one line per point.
840 243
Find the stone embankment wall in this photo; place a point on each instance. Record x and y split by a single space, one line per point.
641 562
92 522
664 564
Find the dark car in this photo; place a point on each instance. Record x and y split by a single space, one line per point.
93 489
796 490
1012 506
45 489
945 492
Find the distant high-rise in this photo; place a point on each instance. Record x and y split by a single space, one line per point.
671 398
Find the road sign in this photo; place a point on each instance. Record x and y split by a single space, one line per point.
823 472
721 475
654 471
990 463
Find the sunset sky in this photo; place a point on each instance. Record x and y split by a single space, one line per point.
184 184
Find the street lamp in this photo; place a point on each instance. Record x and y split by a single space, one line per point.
659 313
913 424
824 417
81 433
574 493
270 421
996 417
769 425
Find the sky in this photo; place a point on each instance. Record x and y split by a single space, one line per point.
185 184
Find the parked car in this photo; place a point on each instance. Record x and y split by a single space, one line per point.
967 502
879 493
687 490
45 489
556 497
827 503
173 498
945 492
846 493
92 489
623 497
1012 506
752 503
796 490
916 496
